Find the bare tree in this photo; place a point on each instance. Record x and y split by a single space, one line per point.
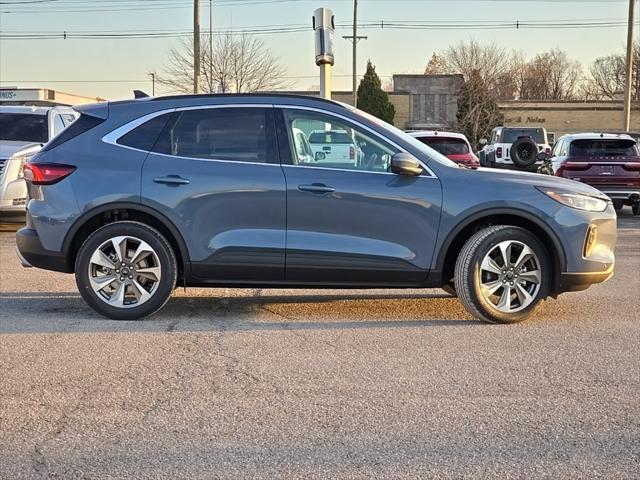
437 65
607 77
550 75
240 63
494 64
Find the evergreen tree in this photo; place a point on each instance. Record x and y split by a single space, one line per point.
372 99
478 111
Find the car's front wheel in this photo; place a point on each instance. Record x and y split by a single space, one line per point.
502 273
126 270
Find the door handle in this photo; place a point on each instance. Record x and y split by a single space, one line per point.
172 180
316 188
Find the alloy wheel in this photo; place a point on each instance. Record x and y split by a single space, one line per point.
124 272
510 276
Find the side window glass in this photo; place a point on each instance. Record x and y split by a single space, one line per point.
144 136
237 134
68 119
58 124
556 148
320 140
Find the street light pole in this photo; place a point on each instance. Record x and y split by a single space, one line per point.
196 46
629 72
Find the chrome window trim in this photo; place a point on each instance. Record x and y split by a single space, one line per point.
353 170
115 135
212 159
365 127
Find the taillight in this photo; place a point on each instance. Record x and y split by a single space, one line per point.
633 166
499 152
352 153
46 173
547 150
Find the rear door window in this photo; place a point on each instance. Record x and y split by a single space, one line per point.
144 137
446 146
237 134
604 148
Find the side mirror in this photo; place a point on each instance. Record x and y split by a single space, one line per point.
542 156
483 141
405 164
320 156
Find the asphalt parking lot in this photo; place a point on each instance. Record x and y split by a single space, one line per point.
304 384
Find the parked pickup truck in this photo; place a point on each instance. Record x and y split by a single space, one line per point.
23 131
608 162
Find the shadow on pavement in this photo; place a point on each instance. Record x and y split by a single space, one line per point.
65 312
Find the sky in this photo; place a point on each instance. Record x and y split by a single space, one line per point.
112 68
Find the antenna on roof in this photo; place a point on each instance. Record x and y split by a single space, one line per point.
139 94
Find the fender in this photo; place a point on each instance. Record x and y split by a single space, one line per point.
516 212
168 224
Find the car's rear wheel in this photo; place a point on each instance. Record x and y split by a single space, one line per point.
502 273
635 208
126 270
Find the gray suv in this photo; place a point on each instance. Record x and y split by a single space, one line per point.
138 197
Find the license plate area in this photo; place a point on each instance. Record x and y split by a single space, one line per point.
606 170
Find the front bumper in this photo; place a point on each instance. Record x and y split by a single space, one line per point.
31 252
576 282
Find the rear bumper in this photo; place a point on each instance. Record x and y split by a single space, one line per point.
32 253
628 194
575 282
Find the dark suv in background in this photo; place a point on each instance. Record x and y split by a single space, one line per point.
137 197
606 161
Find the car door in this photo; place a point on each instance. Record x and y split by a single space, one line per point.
215 173
351 221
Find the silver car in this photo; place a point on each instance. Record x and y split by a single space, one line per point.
23 131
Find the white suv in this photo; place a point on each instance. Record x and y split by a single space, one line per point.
23 131
514 147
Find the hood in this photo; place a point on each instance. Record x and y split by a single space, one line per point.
539 180
9 147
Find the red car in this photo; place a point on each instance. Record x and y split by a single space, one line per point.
454 146
608 162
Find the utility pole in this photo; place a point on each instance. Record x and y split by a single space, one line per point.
355 38
153 83
211 46
196 46
629 73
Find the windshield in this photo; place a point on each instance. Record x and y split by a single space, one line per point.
429 152
23 127
446 146
510 135
604 148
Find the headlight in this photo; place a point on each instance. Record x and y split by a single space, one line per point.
577 200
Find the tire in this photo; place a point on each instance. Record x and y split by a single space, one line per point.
450 288
471 273
142 286
524 152
635 208
482 158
